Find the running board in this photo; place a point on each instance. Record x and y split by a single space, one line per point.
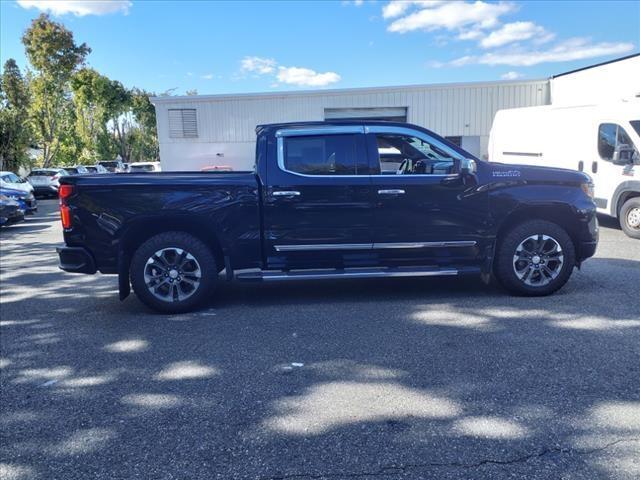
350 273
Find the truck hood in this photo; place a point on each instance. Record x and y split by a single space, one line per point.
506 171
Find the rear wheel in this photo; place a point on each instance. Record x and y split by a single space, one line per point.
535 258
630 217
173 272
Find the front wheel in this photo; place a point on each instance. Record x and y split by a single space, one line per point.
630 217
173 272
534 258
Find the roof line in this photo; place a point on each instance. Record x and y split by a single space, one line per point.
597 65
179 98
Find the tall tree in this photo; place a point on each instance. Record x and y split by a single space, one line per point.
145 142
52 52
14 128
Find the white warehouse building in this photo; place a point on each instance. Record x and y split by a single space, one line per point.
201 131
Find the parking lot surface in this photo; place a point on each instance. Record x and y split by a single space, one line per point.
387 378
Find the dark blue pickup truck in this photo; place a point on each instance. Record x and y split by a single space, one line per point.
330 200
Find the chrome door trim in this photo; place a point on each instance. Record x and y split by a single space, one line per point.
323 246
369 246
462 243
393 191
267 276
285 193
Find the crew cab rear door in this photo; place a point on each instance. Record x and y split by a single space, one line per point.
425 212
317 202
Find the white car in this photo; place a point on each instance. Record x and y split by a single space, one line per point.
139 167
46 181
11 180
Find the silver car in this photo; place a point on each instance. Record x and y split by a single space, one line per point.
46 181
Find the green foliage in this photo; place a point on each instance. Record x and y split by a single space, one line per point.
74 114
52 52
15 134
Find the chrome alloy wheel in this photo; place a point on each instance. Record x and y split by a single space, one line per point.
633 218
172 274
538 260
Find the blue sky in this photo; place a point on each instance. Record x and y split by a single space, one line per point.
230 47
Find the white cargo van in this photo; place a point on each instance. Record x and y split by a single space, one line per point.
601 140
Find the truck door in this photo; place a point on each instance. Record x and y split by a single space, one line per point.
612 163
425 213
317 201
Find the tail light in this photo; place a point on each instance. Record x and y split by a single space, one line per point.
64 192
55 177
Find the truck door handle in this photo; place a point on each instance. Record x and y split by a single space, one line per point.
397 191
286 193
594 167
581 165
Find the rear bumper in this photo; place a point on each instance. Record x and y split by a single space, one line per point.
76 260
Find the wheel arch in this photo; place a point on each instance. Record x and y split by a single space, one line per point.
560 215
624 192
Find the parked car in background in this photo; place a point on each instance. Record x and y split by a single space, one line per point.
126 166
10 211
601 140
11 180
27 200
96 169
141 167
77 170
45 181
322 204
113 166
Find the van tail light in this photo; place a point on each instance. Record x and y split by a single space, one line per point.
64 192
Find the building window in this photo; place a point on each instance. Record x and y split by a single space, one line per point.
183 123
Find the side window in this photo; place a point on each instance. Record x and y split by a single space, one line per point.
324 155
407 155
607 134
614 142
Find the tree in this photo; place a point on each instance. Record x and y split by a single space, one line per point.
14 126
145 140
91 95
54 56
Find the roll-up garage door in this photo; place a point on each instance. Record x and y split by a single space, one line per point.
391 114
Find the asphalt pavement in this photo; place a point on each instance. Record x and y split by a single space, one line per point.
380 378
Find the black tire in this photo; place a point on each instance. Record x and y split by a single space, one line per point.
559 263
165 297
629 217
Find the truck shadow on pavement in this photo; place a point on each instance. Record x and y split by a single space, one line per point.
374 379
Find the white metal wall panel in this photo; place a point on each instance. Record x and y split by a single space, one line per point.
450 110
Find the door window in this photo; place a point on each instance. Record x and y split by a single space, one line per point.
612 140
324 155
409 155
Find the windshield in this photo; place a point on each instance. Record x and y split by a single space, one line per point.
11 178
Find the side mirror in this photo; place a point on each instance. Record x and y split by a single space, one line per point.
468 167
623 154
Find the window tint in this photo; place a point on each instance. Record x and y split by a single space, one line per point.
323 155
636 125
612 138
407 155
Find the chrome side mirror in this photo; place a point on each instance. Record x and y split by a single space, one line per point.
468 167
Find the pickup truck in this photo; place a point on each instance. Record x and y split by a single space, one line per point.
330 200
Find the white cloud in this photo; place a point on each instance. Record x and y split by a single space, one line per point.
470 35
395 8
306 77
79 8
512 75
258 65
447 15
569 50
208 76
514 32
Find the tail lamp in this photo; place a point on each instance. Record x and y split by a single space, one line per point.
64 192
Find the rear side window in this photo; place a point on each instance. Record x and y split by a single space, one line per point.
325 155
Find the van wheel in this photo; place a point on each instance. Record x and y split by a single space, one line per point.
630 217
534 258
173 272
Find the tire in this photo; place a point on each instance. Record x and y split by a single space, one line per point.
534 258
630 217
173 272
